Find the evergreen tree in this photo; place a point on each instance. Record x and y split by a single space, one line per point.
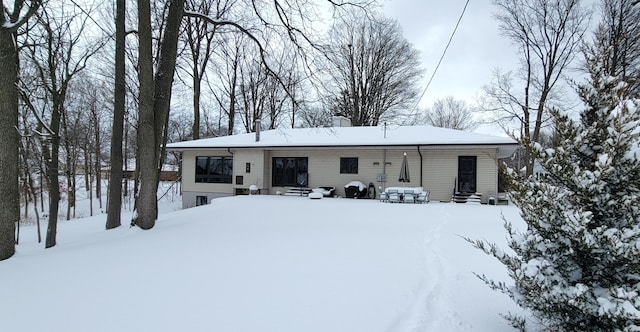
577 265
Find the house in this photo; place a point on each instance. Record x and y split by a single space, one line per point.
444 161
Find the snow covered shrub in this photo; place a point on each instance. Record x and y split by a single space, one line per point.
577 265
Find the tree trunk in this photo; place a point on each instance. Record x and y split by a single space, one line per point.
9 203
164 77
98 155
196 104
86 166
52 166
114 206
90 192
42 180
70 171
145 205
154 100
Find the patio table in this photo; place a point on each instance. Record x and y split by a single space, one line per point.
401 190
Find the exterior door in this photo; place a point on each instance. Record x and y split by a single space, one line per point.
467 174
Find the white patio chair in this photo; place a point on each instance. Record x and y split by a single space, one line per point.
423 197
394 197
383 196
409 197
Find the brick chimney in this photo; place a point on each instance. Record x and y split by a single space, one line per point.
258 124
340 121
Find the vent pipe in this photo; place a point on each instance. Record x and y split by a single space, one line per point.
258 125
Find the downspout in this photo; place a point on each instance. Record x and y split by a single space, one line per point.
233 185
421 162
384 169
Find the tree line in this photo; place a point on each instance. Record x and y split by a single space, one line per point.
82 95
89 87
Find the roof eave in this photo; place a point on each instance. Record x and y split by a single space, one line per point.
508 146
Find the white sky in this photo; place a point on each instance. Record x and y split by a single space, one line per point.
476 49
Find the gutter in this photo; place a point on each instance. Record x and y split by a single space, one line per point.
233 177
357 146
421 164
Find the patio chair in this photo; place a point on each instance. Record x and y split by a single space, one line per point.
383 196
409 197
423 197
394 196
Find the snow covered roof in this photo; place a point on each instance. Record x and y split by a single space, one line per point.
349 137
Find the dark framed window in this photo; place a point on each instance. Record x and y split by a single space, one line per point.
214 169
290 171
348 165
201 200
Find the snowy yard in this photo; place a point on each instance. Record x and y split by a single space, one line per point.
264 263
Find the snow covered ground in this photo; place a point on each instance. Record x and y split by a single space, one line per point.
264 263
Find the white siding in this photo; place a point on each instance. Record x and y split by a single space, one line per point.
255 158
189 172
439 169
324 167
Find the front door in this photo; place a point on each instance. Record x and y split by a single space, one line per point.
467 174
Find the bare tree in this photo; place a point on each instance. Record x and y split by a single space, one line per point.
30 164
153 108
254 80
451 113
71 135
200 42
287 19
226 86
282 91
96 108
548 35
114 204
114 208
88 110
314 116
146 205
10 21
58 54
374 70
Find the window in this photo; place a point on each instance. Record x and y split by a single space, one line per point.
201 200
214 169
348 165
290 172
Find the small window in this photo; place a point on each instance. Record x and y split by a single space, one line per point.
248 168
349 165
201 200
239 179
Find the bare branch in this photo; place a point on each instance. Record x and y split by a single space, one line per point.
16 20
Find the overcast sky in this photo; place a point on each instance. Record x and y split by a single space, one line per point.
477 47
